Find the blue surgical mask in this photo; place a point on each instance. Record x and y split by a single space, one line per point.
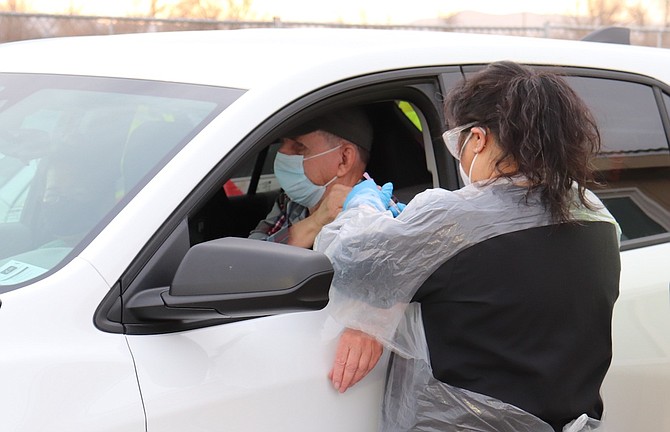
290 173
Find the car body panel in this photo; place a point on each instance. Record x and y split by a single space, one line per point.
208 371
205 57
640 367
56 361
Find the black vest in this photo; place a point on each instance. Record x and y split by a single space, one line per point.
525 317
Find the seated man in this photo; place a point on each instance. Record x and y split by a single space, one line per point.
316 166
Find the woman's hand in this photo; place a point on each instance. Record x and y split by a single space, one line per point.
357 354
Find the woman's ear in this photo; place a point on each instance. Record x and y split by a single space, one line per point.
480 136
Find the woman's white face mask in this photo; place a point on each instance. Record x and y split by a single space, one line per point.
290 173
450 138
466 176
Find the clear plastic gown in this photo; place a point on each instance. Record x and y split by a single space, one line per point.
380 262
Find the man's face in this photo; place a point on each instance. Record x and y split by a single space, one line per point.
319 170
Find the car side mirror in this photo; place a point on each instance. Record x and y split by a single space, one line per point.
230 279
243 278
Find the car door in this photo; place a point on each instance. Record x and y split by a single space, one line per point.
245 353
634 169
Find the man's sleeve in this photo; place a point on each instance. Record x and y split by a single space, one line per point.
262 230
274 227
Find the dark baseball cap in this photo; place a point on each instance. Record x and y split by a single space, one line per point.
351 124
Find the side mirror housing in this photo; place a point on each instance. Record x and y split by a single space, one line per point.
244 278
231 279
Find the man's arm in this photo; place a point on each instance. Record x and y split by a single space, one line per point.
272 223
304 232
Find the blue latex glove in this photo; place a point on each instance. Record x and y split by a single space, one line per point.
387 197
397 208
368 193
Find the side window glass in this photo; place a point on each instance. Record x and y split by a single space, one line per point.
240 202
634 164
241 180
73 151
450 80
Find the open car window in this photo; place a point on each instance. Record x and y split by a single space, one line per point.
246 197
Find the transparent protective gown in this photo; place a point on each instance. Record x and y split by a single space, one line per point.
380 262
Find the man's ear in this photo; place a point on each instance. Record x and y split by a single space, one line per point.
349 158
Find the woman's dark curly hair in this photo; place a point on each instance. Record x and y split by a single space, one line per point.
540 124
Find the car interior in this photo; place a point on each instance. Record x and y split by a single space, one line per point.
398 156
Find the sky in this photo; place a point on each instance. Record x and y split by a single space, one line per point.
345 11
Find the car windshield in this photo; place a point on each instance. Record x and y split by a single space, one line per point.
73 150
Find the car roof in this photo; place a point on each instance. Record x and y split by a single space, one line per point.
254 58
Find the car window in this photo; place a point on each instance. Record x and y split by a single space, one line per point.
248 194
74 149
241 181
634 164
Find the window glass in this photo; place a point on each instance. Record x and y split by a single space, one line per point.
632 218
73 150
627 114
634 165
240 181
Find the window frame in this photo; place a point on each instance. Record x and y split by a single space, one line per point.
162 255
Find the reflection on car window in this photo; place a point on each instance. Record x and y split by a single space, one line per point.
74 149
241 179
634 165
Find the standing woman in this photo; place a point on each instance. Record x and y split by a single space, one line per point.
496 298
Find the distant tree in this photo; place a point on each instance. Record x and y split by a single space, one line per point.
14 6
638 14
612 12
72 9
603 12
154 8
202 9
239 10
212 9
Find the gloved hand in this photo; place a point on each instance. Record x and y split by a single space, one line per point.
368 193
397 208
387 197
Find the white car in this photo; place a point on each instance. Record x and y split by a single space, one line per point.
132 168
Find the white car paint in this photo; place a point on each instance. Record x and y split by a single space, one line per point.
250 376
640 367
261 58
59 371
